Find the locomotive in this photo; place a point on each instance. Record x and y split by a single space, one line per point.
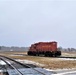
44 48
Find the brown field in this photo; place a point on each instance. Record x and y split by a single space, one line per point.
48 62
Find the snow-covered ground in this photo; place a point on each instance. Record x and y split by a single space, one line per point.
63 71
58 71
3 63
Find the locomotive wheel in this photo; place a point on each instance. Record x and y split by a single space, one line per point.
48 54
28 53
37 54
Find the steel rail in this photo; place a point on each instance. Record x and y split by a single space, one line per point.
12 66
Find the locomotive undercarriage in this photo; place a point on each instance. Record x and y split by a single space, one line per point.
47 53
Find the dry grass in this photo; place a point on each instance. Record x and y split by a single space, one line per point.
69 54
52 63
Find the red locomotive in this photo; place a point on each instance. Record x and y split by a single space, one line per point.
44 48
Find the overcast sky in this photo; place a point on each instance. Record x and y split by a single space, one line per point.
23 22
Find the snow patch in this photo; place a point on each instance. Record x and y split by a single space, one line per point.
16 55
64 69
30 62
65 73
2 62
66 59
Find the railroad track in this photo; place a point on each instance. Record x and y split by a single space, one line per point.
14 67
56 57
66 57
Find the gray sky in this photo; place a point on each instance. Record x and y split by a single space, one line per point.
23 22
